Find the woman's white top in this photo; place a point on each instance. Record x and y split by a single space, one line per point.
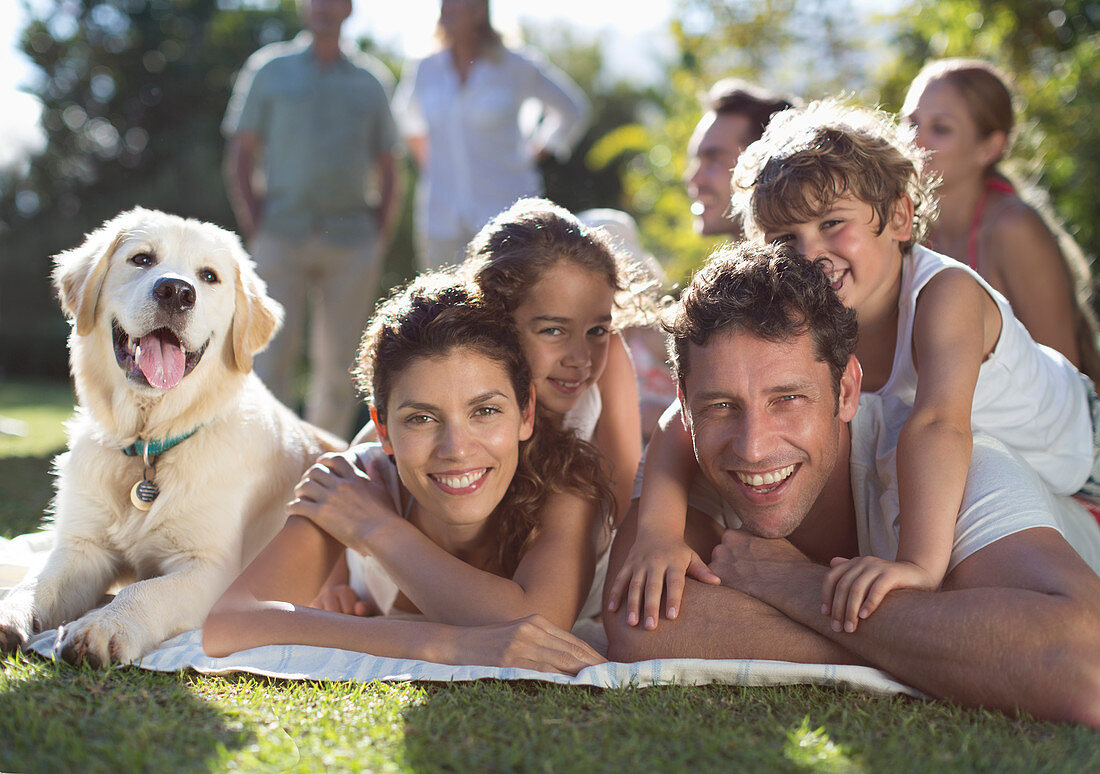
482 135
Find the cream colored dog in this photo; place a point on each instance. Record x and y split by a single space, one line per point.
167 314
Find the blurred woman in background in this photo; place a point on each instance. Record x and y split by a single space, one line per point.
460 112
963 115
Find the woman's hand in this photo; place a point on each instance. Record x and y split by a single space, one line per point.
343 499
342 598
529 643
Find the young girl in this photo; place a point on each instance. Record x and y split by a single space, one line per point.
476 514
565 286
843 186
962 112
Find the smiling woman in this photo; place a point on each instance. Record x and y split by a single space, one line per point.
470 513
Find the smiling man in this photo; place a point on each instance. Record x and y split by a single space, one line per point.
737 113
798 468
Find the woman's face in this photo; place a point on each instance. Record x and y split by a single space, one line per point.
564 325
947 130
453 426
463 18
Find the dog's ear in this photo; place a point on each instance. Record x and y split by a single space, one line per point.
256 315
78 274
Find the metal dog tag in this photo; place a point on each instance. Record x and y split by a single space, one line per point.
143 494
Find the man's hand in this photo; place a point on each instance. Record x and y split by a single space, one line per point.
746 562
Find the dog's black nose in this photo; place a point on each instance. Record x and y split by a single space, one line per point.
174 294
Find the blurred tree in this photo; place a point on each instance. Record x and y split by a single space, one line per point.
1052 49
577 184
133 92
806 47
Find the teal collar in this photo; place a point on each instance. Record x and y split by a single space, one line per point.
143 448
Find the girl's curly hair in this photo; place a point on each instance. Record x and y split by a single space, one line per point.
516 248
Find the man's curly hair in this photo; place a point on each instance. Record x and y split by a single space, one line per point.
769 292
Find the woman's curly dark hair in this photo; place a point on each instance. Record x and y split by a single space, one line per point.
437 314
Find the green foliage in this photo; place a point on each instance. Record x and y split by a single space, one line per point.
805 48
133 94
1052 50
578 184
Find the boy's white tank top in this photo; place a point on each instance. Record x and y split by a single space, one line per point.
1028 396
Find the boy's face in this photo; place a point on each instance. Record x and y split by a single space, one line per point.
865 265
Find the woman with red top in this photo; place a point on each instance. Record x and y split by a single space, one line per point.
962 112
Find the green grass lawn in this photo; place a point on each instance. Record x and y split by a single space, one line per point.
56 718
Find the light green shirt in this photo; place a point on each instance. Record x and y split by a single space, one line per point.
321 130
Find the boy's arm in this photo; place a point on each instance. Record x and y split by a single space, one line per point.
956 325
659 558
951 337
618 433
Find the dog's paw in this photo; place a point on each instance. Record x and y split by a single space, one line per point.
16 623
101 638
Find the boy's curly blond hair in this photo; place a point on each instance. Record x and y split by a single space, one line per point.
811 156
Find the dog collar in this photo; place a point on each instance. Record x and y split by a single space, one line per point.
143 448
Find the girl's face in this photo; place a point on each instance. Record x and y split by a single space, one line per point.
453 426
946 129
564 325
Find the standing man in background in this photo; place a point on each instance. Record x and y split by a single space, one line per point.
314 116
737 113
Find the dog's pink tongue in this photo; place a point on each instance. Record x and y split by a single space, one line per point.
161 360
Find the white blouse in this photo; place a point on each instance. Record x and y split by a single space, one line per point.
482 138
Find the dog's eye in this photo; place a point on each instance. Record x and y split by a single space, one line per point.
142 259
208 276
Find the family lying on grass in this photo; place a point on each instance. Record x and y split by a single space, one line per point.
850 511
871 461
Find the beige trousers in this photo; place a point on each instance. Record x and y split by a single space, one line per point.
332 290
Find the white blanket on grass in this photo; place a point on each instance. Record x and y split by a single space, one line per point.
305 662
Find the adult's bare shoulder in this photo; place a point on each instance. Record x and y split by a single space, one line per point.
1019 237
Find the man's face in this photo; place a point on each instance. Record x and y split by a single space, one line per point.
712 154
325 17
764 422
